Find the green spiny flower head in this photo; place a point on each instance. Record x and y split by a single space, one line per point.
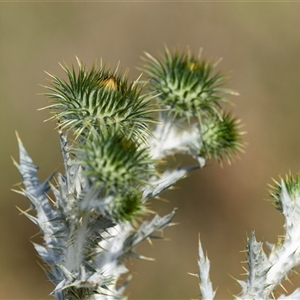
220 137
115 163
186 84
99 99
292 184
126 206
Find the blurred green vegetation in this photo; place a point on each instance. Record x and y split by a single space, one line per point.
259 44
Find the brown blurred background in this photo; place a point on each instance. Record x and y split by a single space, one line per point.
260 46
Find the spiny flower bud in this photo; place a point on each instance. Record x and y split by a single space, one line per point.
99 99
114 162
220 137
292 184
126 206
186 84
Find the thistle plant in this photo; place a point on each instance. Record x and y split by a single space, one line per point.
115 136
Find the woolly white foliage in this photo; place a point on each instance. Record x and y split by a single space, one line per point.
178 136
83 248
206 288
266 271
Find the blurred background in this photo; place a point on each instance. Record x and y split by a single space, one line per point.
259 44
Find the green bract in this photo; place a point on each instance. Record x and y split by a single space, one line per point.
99 99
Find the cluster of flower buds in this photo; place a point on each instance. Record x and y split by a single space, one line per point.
114 134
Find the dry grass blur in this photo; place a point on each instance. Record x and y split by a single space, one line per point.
259 43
